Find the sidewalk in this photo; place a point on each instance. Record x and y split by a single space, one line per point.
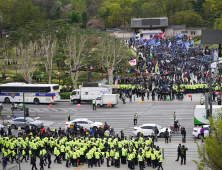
195 98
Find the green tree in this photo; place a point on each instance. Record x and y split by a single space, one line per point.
188 18
75 17
210 151
83 77
22 12
84 19
218 23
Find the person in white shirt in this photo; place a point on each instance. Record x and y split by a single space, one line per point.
19 129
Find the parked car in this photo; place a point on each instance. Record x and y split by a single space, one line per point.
148 129
85 123
196 131
15 123
2 126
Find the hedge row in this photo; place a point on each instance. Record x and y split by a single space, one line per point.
65 95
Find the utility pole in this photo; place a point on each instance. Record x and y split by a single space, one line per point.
87 66
24 104
210 81
115 58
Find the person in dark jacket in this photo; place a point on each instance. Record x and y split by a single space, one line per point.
33 161
49 159
41 163
166 135
183 133
183 154
178 152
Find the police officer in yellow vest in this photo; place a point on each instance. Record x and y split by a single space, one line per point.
160 158
94 103
135 118
141 159
201 101
107 157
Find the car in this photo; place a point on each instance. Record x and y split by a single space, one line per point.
2 126
85 123
148 129
20 121
196 131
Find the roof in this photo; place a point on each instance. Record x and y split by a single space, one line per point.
203 106
176 27
81 119
149 124
24 84
155 22
197 28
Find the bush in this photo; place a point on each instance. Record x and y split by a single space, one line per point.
65 95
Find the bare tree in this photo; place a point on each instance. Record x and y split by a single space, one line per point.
29 61
49 46
110 53
74 47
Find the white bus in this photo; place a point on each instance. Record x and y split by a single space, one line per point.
34 93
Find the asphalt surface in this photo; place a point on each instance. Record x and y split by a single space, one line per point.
119 117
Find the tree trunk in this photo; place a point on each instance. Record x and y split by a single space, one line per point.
110 75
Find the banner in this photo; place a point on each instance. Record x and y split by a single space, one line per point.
156 66
132 62
115 86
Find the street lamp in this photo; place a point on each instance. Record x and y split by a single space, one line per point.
19 154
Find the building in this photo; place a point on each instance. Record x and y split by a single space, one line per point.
139 24
190 32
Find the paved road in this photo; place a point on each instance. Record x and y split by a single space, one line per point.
120 117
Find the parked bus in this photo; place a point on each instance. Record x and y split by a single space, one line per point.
34 93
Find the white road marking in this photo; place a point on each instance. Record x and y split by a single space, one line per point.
37 118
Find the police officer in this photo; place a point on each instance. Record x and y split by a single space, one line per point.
183 154
160 161
201 101
94 103
107 157
135 118
123 97
33 161
178 152
68 115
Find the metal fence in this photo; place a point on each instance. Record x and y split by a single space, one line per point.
16 167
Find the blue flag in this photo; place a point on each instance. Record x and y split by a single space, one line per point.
173 31
176 35
179 41
174 47
169 45
212 50
118 76
181 35
141 40
200 46
145 44
192 42
134 35
151 49
158 43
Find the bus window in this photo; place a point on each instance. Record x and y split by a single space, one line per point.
55 87
48 89
5 89
42 89
34 89
24 89
14 89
